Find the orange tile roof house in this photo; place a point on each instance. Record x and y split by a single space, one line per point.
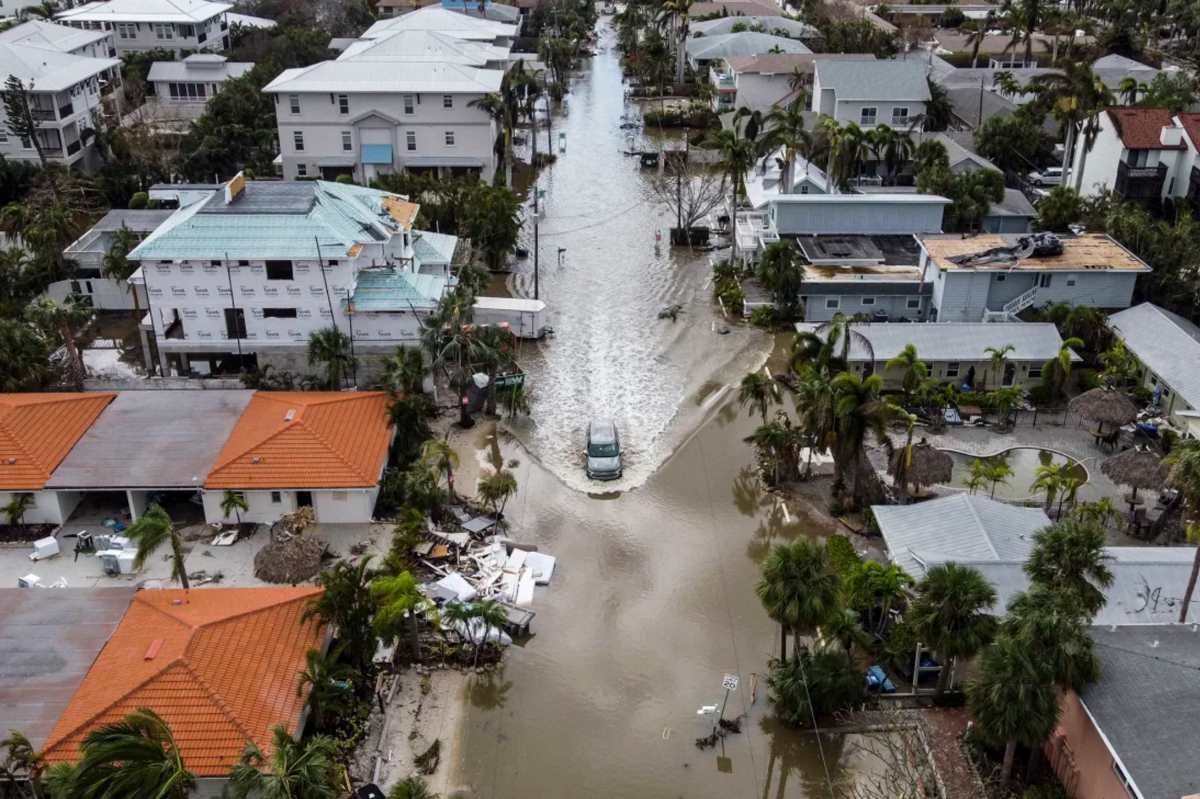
37 431
325 449
221 665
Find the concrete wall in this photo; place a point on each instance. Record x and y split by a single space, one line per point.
105 294
1007 224
817 310
962 295
137 37
847 111
1095 289
49 507
351 506
1079 756
263 508
984 379
1100 165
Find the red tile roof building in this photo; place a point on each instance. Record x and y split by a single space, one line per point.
38 430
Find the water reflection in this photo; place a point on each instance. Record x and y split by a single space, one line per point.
489 691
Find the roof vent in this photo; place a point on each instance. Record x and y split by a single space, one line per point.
1154 644
290 415
255 459
152 650
12 461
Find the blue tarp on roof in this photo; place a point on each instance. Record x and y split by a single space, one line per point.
377 153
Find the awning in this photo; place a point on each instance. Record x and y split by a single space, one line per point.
443 160
377 154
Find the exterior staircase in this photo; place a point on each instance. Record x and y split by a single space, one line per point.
1013 307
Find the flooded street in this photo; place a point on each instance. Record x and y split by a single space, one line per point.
653 598
612 356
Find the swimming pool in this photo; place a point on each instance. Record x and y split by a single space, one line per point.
1024 462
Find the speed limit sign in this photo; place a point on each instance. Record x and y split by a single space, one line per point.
730 682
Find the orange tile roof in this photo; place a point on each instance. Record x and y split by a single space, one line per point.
221 665
38 430
306 439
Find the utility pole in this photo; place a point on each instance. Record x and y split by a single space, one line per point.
536 220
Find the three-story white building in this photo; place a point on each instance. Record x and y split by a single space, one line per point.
140 25
404 97
67 74
246 274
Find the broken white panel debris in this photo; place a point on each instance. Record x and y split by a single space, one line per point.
456 584
542 566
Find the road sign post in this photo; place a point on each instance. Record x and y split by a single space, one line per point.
730 683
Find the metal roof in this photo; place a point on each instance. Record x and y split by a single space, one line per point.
395 290
65 39
952 341
144 11
1146 704
434 248
368 76
423 45
773 25
708 48
152 439
48 641
959 527
199 67
45 70
1166 343
874 80
436 18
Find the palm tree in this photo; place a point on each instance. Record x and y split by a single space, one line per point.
297 769
492 616
331 348
399 602
859 412
875 588
153 529
891 148
462 615
976 34
1054 626
23 764
798 589
913 369
116 264
136 756
737 153
1068 557
404 372
233 503
758 392
412 788
786 129
998 471
845 627
62 321
494 106
1057 371
1184 475
441 457
951 615
1075 97
997 362
346 605
1013 701
494 347
1050 478
14 512
679 10
1128 90
330 686
496 488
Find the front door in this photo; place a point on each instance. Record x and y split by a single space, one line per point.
1010 373
304 499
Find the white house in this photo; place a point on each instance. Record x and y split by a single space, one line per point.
179 25
766 80
194 80
1142 154
64 39
705 50
88 251
992 277
66 87
402 98
1168 348
870 93
250 271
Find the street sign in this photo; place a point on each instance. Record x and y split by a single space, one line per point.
730 682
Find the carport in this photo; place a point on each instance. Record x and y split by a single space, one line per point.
153 446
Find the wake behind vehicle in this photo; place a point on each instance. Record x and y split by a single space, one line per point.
603 450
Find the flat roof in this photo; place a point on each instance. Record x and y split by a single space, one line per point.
949 341
153 439
900 249
1089 252
48 641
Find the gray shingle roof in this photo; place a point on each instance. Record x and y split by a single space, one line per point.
953 341
1165 342
1146 703
874 80
960 527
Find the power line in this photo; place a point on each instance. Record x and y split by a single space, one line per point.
594 224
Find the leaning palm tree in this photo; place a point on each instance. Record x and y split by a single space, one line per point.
400 602
441 457
798 589
296 769
233 503
331 349
23 764
758 392
952 615
153 529
136 756
859 412
1068 557
1013 700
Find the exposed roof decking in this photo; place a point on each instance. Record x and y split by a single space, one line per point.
152 439
1091 251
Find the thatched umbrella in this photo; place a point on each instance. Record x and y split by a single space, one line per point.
928 464
1137 467
1104 406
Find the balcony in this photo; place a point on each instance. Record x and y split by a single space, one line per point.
722 79
66 110
1140 183
754 233
43 114
1193 192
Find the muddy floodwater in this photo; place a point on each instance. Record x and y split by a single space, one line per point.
653 598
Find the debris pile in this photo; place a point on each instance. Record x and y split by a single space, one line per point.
295 560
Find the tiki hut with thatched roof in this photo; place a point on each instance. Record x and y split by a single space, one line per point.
1137 467
1105 406
926 466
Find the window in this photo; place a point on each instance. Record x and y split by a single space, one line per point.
126 30
899 115
913 303
243 263
410 140
3 136
952 369
1139 158
347 141
343 103
447 101
408 104
1070 281
1035 370
279 270
294 103
867 300
276 497
1044 281
235 323
1001 278
214 263
867 116
279 313
832 303
301 170
163 31
449 138
298 140
26 143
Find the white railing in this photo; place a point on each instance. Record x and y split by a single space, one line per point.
1011 308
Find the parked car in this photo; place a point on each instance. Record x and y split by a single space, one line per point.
603 450
1050 176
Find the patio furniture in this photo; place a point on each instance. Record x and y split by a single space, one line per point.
1137 467
1105 406
84 542
479 525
